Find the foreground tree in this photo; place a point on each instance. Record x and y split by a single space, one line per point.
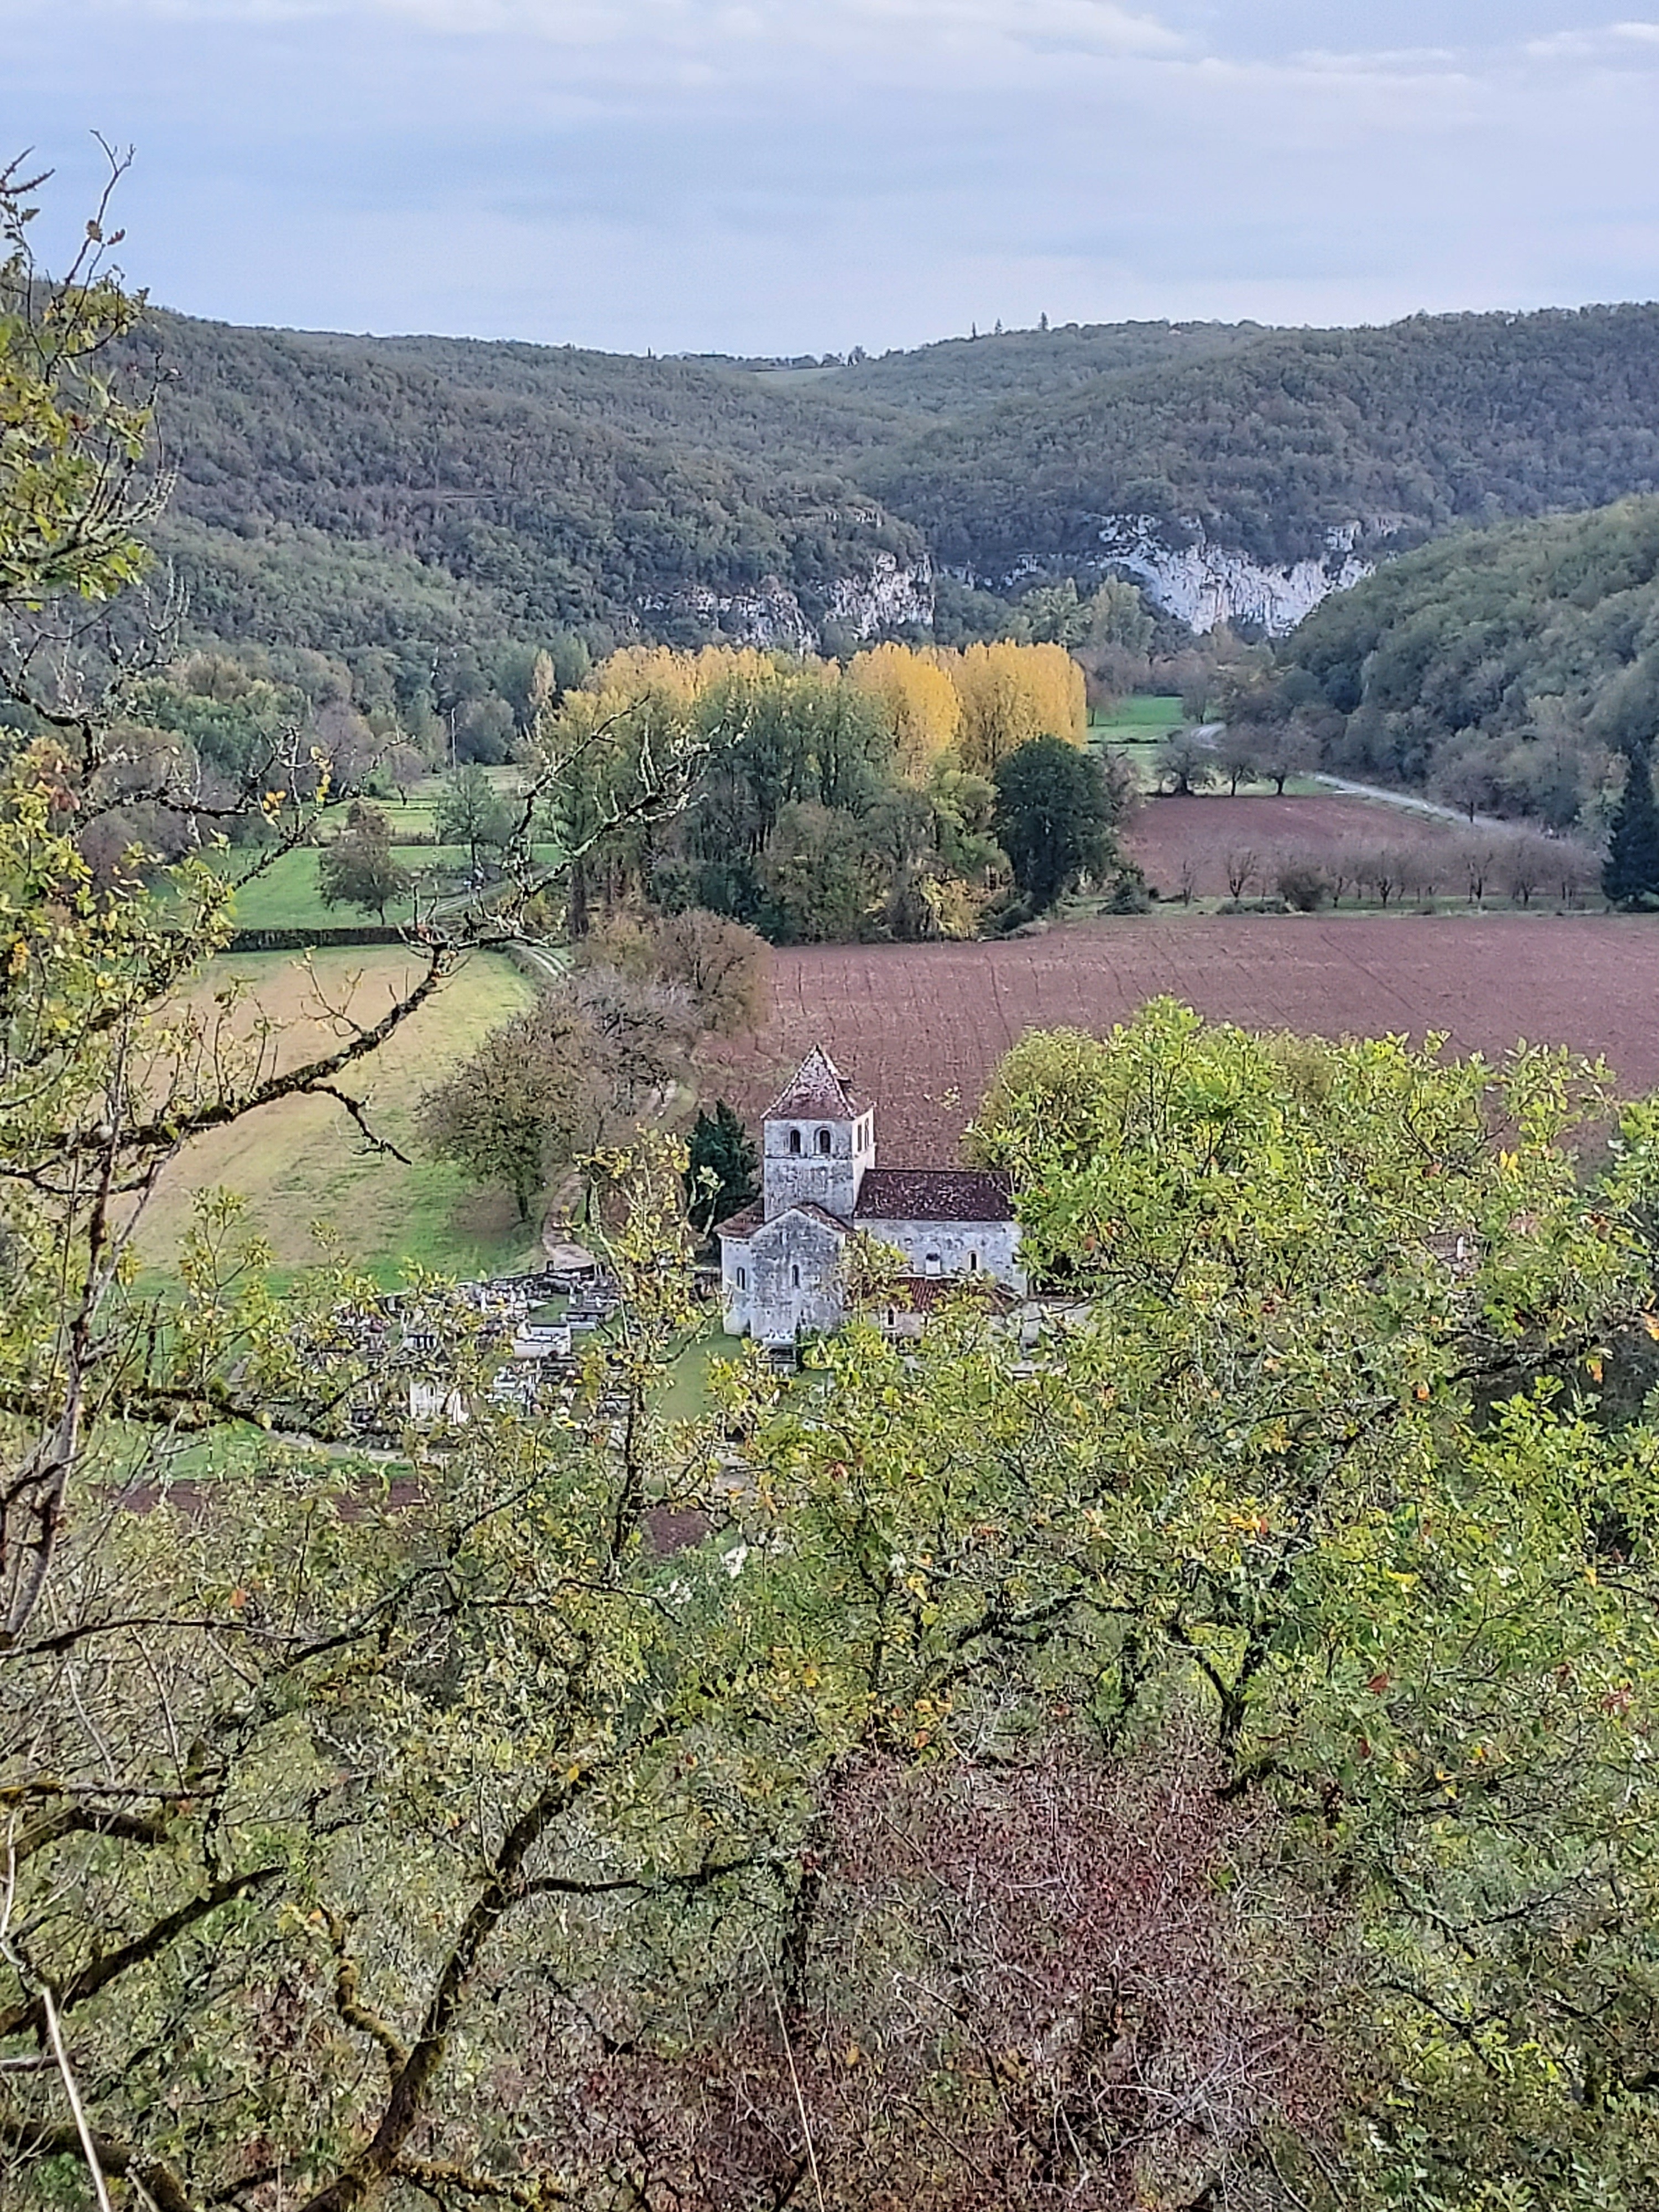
1296 1413
1161 1760
130 1866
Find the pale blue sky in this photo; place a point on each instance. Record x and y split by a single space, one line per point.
801 175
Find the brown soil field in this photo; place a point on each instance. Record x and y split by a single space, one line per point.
1204 829
918 1028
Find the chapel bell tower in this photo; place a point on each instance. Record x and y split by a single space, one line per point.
817 1141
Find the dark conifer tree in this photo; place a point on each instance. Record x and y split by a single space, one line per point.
1630 876
723 1173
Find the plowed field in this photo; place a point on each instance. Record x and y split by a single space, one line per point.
919 1028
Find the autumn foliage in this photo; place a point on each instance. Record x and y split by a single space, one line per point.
1063 1981
972 708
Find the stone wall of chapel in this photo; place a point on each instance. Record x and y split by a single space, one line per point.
811 1177
954 1246
772 1305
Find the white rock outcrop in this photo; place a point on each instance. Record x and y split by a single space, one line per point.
888 595
891 595
1204 584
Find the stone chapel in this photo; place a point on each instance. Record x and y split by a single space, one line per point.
780 1260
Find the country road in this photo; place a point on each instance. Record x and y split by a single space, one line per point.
1411 805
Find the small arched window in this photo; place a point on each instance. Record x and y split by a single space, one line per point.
794 1278
794 1140
973 1263
933 1265
823 1142
742 1279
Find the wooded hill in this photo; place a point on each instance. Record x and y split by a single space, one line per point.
350 494
324 483
1509 668
1269 443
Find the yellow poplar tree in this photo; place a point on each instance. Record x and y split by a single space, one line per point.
920 703
1010 694
638 671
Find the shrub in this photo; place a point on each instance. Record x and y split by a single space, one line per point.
1303 884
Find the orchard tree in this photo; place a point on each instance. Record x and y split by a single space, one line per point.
1187 763
358 866
1239 754
1284 749
1055 815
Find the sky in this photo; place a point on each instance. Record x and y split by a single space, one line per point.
784 177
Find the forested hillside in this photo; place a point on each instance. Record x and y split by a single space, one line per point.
957 376
1272 444
324 483
1506 668
352 495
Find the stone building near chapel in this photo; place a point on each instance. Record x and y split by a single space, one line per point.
781 1261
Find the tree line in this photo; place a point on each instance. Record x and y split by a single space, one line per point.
884 799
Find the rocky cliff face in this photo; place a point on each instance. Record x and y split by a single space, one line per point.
885 595
1203 584
889 595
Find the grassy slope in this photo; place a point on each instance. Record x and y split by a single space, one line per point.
284 895
301 1161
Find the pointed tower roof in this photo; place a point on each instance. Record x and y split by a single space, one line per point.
815 1092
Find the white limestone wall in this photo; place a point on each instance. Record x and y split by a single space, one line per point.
889 595
953 1248
1204 584
786 1279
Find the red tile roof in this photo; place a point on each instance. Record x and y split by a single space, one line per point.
740 1227
921 1293
934 1194
815 1092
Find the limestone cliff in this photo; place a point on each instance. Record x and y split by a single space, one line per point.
886 594
1203 584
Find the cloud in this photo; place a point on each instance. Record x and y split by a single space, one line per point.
1392 61
1600 43
787 175
713 28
